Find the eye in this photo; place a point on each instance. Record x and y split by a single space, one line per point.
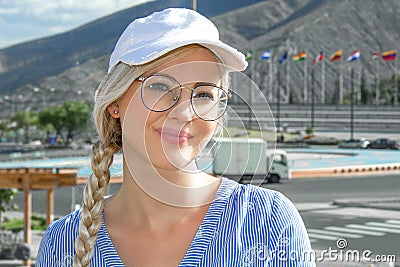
205 92
204 95
158 86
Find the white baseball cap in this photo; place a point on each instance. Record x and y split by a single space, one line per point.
148 38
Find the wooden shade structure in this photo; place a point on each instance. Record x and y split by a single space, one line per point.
48 179
27 179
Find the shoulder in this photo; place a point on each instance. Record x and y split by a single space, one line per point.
263 207
258 198
57 245
65 227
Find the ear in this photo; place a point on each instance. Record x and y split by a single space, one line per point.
113 110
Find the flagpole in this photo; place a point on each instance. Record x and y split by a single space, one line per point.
194 5
304 83
323 82
253 78
287 79
312 98
352 105
359 86
395 89
341 84
287 69
397 77
270 79
377 91
278 99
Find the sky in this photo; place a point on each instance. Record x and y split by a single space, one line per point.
25 20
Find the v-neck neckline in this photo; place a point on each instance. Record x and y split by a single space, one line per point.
201 241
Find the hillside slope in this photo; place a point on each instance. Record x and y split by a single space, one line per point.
74 63
29 62
312 26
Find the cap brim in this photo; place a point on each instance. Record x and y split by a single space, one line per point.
228 55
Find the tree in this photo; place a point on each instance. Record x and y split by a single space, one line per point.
54 116
71 117
3 127
24 120
78 114
6 196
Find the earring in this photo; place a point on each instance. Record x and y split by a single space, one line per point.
116 111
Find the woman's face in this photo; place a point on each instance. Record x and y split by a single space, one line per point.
171 139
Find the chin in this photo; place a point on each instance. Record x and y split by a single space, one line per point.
174 160
173 164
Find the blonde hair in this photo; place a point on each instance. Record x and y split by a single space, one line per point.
110 90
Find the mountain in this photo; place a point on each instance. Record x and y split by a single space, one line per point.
312 26
29 62
73 63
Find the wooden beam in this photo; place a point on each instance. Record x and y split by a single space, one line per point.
27 212
11 180
50 206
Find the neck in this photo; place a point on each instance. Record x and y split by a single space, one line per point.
152 197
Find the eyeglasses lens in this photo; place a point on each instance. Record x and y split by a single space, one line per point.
160 93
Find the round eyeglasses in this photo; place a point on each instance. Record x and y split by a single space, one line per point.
160 93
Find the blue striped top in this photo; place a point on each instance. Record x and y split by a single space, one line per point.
245 225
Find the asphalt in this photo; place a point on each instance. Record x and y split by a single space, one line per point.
382 203
375 203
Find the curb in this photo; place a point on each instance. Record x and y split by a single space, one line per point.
15 263
383 203
347 171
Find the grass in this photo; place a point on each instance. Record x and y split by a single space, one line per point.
15 225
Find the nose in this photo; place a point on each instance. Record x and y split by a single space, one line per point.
183 110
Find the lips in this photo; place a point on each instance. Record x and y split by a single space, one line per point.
173 136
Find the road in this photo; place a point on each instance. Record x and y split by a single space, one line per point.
328 189
371 229
358 229
311 190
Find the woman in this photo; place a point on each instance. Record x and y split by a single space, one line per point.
163 98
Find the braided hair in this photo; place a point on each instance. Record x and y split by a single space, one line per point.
109 130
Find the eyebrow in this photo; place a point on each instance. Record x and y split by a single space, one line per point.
195 84
203 83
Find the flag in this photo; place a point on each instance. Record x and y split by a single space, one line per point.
266 54
354 56
283 58
300 56
318 58
249 55
336 56
374 56
389 55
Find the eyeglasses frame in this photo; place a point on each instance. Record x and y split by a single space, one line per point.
143 79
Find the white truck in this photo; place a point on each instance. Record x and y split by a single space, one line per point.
249 160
